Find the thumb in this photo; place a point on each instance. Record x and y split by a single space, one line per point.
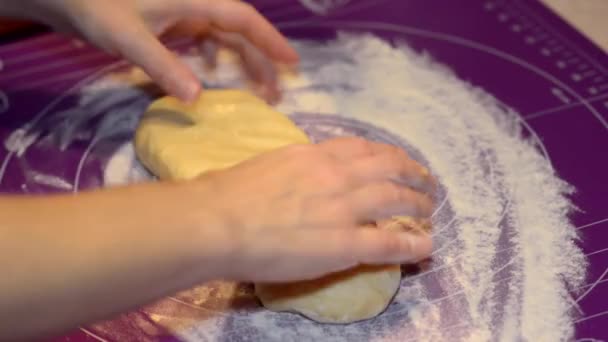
141 47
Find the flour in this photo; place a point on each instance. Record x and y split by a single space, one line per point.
323 6
506 252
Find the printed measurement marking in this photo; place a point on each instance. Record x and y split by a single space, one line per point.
592 224
525 7
560 108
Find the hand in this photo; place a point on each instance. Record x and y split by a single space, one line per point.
296 213
130 28
292 214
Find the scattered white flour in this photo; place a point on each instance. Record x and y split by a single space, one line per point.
505 250
323 6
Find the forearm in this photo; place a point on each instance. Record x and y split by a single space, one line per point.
71 259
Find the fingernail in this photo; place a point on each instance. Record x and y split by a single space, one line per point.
424 171
427 179
190 91
290 56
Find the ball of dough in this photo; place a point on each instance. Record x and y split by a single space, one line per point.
175 140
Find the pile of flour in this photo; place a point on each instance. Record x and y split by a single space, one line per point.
506 253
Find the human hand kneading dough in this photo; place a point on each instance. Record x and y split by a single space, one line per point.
294 213
297 212
130 28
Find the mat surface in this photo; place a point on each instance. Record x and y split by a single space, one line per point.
521 53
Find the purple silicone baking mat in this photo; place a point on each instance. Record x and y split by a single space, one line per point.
517 51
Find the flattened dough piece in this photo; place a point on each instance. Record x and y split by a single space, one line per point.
222 128
344 297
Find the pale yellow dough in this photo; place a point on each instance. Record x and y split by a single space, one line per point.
223 128
345 297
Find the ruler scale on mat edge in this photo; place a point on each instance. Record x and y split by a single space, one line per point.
566 73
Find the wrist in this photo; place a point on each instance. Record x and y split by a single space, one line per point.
210 238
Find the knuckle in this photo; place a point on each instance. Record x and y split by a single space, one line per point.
400 157
356 145
397 162
390 148
403 153
358 142
248 7
247 12
361 145
333 213
245 8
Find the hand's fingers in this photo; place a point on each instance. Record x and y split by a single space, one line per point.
394 165
377 246
137 44
387 199
375 161
312 254
340 249
258 67
303 254
347 148
239 17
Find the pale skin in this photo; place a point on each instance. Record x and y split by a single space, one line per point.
291 214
